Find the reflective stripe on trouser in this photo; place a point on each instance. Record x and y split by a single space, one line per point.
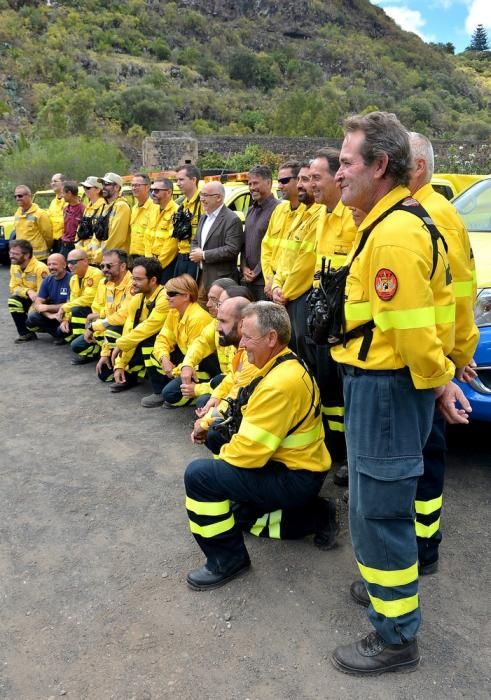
429 495
111 335
138 364
81 347
18 307
212 483
387 423
331 391
77 322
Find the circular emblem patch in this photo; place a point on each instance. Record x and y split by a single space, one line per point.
385 284
44 275
90 282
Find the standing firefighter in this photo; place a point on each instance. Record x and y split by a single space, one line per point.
399 333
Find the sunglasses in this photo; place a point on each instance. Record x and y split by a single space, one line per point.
19 196
285 180
174 294
159 189
106 266
74 261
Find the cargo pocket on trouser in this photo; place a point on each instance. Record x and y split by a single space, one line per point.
387 486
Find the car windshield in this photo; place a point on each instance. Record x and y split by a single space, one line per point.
474 206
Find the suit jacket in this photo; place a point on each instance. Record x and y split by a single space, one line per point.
222 247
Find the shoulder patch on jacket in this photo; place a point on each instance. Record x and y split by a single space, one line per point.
385 284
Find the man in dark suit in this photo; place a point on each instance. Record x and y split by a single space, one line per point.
218 240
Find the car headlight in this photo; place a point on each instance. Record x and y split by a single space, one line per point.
482 308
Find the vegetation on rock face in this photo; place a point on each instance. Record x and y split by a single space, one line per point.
74 67
116 71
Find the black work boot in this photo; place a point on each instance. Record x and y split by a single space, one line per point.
340 477
358 592
372 656
325 535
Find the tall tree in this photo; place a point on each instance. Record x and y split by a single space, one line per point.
479 41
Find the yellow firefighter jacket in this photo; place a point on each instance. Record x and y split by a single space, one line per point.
389 283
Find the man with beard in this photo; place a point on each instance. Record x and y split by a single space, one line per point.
104 324
260 180
296 264
274 464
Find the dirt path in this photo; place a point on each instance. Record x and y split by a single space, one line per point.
94 548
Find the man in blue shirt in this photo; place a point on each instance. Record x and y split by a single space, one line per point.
53 292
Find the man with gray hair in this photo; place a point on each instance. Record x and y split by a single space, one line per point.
429 496
218 241
394 357
274 464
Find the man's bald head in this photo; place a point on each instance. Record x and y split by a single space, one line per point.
57 265
230 320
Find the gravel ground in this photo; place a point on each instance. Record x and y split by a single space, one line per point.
94 549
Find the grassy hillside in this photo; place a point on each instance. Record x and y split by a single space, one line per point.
241 66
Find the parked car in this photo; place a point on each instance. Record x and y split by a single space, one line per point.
474 206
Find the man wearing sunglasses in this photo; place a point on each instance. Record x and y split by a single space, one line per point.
159 241
284 219
104 324
83 286
31 223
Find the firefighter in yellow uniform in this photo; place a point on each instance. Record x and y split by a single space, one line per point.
275 463
284 222
55 211
186 220
104 324
336 232
400 331
26 276
184 323
117 212
296 264
206 344
429 496
159 241
141 213
31 223
83 287
145 314
85 235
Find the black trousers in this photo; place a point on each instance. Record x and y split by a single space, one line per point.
429 494
18 307
286 498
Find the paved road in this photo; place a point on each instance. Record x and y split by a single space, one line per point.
94 548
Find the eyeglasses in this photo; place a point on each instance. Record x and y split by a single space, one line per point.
134 185
174 294
204 195
285 180
73 261
159 189
106 266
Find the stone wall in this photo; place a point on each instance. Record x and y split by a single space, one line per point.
164 150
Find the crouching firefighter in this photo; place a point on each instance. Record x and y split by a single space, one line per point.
272 468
